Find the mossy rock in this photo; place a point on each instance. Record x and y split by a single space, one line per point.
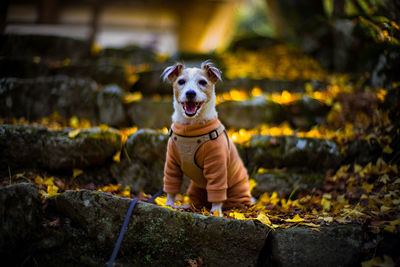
338 245
150 82
128 54
42 96
285 183
237 114
158 236
27 146
111 108
308 154
142 166
44 46
21 218
150 114
305 113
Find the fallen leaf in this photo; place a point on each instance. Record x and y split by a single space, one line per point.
74 133
76 172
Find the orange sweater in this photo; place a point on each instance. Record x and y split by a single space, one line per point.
225 175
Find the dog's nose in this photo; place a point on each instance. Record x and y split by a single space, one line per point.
190 94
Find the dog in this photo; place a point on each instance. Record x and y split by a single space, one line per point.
199 146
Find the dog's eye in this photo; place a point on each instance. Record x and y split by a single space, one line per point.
203 82
181 82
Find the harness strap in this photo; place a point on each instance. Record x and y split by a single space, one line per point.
125 226
187 147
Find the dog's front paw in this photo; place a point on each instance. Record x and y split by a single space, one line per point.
170 200
217 208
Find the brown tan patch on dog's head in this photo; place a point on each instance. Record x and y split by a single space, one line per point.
213 73
172 72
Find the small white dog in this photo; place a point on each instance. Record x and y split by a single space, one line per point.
199 146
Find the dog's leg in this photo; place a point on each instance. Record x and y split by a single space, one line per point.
217 206
170 200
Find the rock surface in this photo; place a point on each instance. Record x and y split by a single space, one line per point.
291 152
54 47
339 245
111 108
284 183
34 98
143 166
20 218
79 228
150 114
40 97
237 114
27 146
158 236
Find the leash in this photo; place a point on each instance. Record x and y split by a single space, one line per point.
125 226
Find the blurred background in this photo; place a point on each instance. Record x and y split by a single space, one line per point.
310 95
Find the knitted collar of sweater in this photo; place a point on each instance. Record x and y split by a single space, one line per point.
195 129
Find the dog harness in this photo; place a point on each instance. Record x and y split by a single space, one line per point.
187 148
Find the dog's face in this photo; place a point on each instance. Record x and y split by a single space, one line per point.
193 87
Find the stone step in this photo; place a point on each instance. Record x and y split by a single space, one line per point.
40 97
303 154
150 83
106 69
306 161
286 183
102 70
45 46
88 224
26 146
34 98
303 161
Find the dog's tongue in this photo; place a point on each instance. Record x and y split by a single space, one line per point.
190 107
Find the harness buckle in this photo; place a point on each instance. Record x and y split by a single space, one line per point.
170 132
213 135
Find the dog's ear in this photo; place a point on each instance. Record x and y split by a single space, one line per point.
212 72
172 72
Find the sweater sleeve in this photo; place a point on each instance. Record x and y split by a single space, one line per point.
215 169
172 172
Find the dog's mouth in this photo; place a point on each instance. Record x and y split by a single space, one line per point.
191 108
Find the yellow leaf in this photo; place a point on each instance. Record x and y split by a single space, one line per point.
238 216
274 198
385 208
76 173
160 201
328 219
388 150
395 222
48 180
74 122
216 213
104 127
74 133
264 219
253 184
384 179
295 219
357 168
326 204
367 187
126 192
132 97
52 190
117 156
167 207
38 180
309 224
